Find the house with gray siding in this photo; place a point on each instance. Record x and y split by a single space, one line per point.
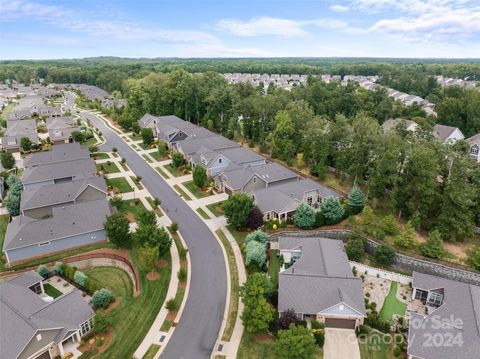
190 146
317 283
36 326
447 134
69 226
444 323
16 130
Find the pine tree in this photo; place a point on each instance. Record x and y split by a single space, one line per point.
356 200
434 246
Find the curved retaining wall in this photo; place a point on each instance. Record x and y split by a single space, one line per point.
401 262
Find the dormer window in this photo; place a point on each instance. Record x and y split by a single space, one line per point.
219 160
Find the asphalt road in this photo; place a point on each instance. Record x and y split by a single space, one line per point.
197 331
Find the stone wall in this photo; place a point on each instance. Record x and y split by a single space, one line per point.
401 262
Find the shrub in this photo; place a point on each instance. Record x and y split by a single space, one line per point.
101 322
182 274
317 325
69 272
384 255
177 159
296 342
199 176
80 278
304 216
258 236
319 335
255 218
286 318
43 271
172 305
59 268
255 252
389 225
102 298
434 246
332 210
474 258
355 248
7 160
147 136
355 200
406 239
174 227
319 219
237 208
92 285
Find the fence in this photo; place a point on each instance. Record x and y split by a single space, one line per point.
397 277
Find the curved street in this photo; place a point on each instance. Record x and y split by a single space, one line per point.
197 331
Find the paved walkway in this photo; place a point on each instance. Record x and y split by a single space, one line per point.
341 344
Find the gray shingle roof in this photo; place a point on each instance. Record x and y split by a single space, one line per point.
82 168
442 131
23 313
462 303
61 127
319 279
67 221
241 155
16 130
216 142
273 172
474 140
59 153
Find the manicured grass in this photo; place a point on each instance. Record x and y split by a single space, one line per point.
51 290
235 287
132 319
146 158
120 183
108 168
392 305
114 279
3 229
202 213
101 156
56 257
166 325
156 209
197 192
182 192
152 350
239 235
90 142
134 137
216 209
374 348
132 207
274 267
176 172
162 172
157 157
138 184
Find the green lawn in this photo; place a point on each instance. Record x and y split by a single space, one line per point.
197 192
120 183
146 158
162 172
203 213
116 280
176 172
108 168
216 208
138 184
134 137
182 192
374 348
130 207
3 229
392 305
132 319
156 209
239 235
101 156
90 142
157 157
274 267
51 290
235 287
152 350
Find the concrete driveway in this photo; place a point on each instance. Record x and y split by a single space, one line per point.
340 344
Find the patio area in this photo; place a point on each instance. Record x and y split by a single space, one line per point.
63 286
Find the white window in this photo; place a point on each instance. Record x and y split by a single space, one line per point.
309 201
435 299
268 216
474 151
85 327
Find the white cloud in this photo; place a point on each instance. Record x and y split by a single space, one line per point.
262 26
339 8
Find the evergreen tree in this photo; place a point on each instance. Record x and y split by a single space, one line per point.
199 176
332 210
434 246
117 229
356 200
304 216
296 342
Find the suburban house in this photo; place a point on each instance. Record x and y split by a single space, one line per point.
446 312
58 154
36 326
410 125
447 134
317 283
16 130
32 106
37 202
281 201
68 226
60 129
191 145
238 179
474 143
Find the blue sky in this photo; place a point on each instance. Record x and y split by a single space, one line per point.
38 29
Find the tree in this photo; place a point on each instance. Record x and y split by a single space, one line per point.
474 258
101 322
146 217
304 216
199 176
286 318
296 342
43 271
257 312
25 144
102 298
162 149
355 200
257 236
332 210
384 255
434 246
177 159
237 208
7 160
255 252
283 137
147 136
148 256
407 238
117 229
80 278
255 218
77 136
355 248
12 200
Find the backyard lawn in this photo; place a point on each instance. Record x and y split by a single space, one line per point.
131 208
392 305
51 290
108 168
132 319
274 267
120 184
116 280
3 229
216 208
197 192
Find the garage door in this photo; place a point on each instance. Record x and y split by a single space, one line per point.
340 323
